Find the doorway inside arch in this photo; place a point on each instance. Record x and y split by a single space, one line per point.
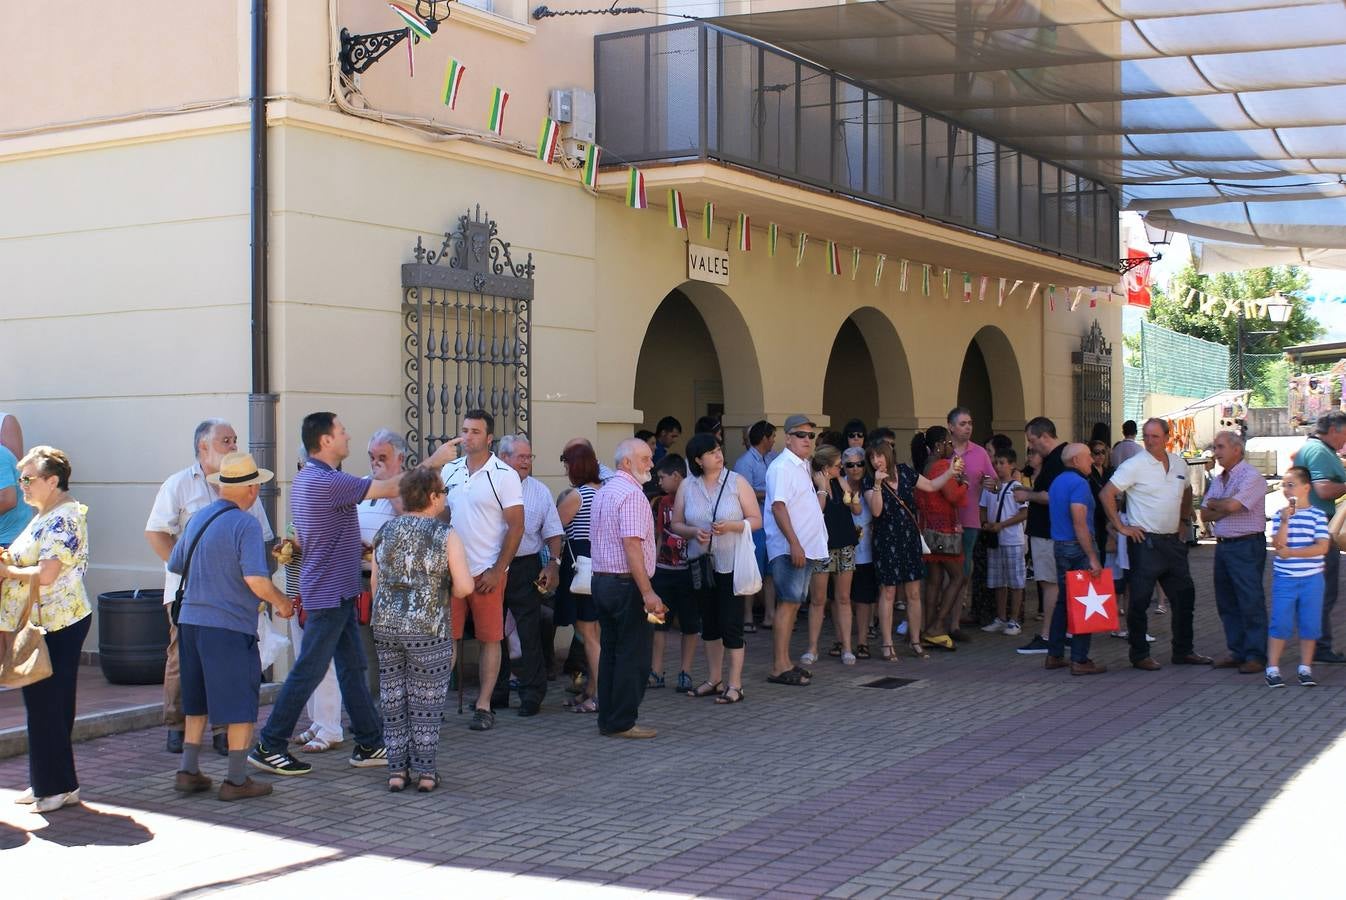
991 386
850 387
679 371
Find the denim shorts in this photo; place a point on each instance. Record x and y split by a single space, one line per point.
759 549
221 674
792 582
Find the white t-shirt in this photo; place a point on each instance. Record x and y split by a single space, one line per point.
1153 496
178 500
372 514
1013 535
478 502
788 480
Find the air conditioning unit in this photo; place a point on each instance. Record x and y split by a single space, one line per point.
575 109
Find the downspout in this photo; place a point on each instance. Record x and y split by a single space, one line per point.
261 402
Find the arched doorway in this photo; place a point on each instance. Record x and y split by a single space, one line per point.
867 375
698 359
991 386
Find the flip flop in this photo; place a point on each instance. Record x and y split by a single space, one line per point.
807 673
791 677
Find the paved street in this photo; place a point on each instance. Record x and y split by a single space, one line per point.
985 777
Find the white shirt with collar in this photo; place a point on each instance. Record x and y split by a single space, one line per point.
1153 496
178 499
478 502
540 519
789 480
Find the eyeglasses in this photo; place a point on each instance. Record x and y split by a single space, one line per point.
803 435
853 465
26 480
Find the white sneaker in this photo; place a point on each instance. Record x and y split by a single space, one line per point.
1149 638
996 627
902 628
26 798
56 801
1121 633
1012 628
848 659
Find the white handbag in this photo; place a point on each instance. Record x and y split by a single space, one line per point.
747 578
582 583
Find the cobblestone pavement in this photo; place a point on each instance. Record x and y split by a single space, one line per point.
985 777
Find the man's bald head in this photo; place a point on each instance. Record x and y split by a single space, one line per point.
1076 456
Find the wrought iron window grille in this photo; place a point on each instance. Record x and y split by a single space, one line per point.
467 322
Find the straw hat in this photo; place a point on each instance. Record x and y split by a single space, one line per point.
240 469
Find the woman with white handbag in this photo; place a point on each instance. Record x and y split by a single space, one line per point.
716 510
574 601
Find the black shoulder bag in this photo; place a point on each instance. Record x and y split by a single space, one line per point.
703 567
991 539
175 609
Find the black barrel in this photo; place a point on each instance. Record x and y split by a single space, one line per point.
132 636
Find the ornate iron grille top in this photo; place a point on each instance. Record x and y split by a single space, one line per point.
475 249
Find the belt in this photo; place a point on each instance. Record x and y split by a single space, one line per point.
525 556
1241 537
620 576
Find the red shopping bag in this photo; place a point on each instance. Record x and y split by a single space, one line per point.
1091 603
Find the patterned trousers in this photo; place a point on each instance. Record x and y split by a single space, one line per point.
414 674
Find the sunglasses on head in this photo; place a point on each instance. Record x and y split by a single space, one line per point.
803 435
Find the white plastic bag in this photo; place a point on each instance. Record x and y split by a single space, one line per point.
271 644
747 579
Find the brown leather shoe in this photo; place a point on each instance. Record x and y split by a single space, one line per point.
249 788
191 782
635 732
1055 662
1147 664
1088 667
1252 667
1228 663
1192 659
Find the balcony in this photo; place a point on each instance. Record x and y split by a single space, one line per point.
692 91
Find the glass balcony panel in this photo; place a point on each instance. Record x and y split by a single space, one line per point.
778 92
880 148
849 149
1007 188
623 71
1051 205
1030 198
1086 208
962 177
1070 213
674 98
736 124
910 127
986 174
940 140
815 125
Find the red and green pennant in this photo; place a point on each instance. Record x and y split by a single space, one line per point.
744 233
589 174
833 258
707 218
453 82
772 236
411 20
496 121
677 209
548 139
635 189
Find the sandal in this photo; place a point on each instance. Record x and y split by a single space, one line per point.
397 782
304 736
919 652
427 782
588 705
809 659
749 628
706 689
318 745
888 653
807 673
942 641
789 676
836 649
575 701
726 698
862 651
653 681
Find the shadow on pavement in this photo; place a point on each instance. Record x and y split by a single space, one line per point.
12 838
80 826
202 890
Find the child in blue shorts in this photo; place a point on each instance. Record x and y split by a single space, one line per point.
1297 577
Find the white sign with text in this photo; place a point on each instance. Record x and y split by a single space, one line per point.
707 264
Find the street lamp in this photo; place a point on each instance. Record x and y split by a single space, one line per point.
1278 311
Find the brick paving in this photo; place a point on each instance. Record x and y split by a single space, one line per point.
985 777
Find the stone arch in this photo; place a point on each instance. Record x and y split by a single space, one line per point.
991 384
698 358
867 374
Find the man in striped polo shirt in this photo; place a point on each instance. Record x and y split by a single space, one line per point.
322 503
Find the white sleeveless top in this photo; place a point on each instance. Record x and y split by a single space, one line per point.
697 506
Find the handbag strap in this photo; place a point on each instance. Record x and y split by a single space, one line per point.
1000 507
187 563
715 509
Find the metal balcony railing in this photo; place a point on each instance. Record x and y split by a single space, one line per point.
694 91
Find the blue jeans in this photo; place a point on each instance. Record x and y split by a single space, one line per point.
1240 597
331 635
1069 556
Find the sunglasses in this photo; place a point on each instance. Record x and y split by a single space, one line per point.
803 435
26 480
853 465
851 434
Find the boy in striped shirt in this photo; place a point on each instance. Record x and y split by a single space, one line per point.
1297 577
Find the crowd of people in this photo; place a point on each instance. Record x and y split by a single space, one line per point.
410 562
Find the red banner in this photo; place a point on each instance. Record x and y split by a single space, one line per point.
1137 280
1091 603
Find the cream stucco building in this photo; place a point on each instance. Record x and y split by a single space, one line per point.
125 182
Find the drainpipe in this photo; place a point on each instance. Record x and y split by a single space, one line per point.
261 402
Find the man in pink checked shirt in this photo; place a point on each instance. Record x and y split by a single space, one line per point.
978 472
621 542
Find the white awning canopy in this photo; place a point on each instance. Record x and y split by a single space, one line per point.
1221 119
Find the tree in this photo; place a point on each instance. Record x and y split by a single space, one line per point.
1173 312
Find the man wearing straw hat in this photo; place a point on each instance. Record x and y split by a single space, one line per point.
224 565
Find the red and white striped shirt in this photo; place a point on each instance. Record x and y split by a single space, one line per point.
620 511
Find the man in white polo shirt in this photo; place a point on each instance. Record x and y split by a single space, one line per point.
796 537
1159 504
485 501
178 499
